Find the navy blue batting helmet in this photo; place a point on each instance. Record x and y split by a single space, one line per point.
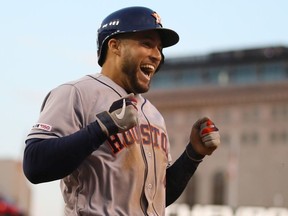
128 20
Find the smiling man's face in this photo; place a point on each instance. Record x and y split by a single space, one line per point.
140 56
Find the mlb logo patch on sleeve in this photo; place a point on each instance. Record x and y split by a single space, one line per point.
42 126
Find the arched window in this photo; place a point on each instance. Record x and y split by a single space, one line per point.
218 188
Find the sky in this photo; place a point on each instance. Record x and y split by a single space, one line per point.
46 43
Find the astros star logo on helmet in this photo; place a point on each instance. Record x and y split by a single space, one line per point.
157 18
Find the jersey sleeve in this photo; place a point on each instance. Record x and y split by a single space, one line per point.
61 132
61 114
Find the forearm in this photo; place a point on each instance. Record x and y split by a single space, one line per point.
51 159
179 174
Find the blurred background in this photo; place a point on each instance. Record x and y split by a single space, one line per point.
231 64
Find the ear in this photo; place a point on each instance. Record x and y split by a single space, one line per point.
114 46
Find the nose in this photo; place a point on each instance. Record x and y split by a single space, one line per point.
156 54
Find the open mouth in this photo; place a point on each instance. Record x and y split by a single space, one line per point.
147 70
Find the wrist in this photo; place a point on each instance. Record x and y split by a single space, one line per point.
96 134
106 123
192 154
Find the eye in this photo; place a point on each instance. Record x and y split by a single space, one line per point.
150 44
147 43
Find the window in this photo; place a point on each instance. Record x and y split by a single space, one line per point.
279 137
217 75
279 112
249 138
162 80
191 77
184 77
244 74
219 188
273 72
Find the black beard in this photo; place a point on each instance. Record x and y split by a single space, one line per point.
132 84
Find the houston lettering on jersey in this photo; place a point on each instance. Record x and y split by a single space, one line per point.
145 134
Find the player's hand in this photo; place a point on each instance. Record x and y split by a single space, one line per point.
122 116
205 137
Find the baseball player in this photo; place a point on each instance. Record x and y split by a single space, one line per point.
104 140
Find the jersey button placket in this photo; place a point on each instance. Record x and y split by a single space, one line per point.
149 186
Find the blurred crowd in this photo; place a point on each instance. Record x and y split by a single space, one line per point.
8 208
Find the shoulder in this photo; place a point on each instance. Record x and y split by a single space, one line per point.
83 82
72 90
94 83
87 85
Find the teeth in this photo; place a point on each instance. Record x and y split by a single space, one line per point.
148 67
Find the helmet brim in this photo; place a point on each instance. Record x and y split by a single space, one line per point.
168 37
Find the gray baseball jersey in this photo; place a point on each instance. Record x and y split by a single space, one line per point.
126 174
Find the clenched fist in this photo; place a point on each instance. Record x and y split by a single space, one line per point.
204 137
122 116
